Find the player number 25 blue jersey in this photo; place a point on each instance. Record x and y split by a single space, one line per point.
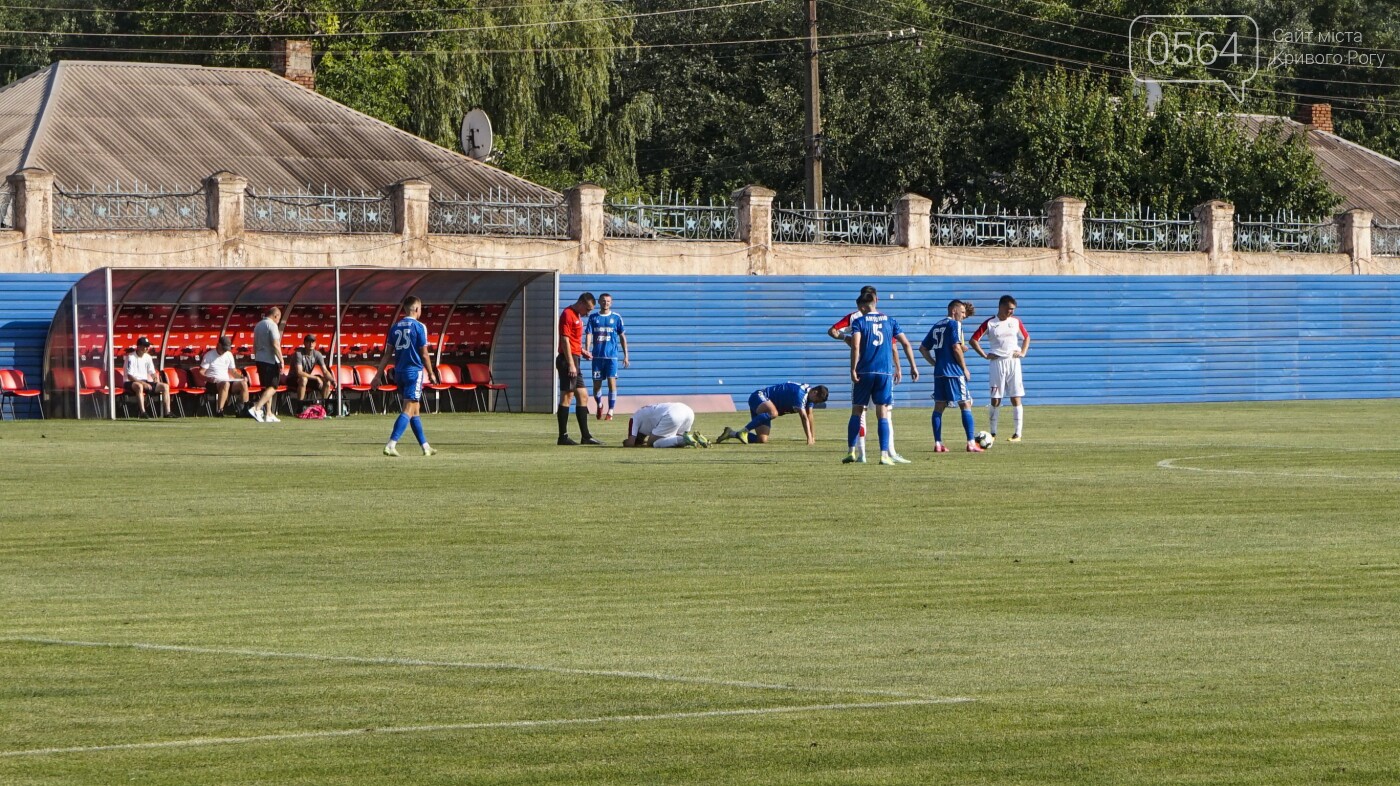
408 336
876 332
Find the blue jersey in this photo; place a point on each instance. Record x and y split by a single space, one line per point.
788 397
877 333
606 330
408 336
945 334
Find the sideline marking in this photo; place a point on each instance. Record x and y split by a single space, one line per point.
635 675
521 724
1171 464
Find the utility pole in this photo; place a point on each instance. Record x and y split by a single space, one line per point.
814 112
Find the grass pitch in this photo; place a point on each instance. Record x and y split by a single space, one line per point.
1134 595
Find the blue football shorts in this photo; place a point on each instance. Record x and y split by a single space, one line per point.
873 388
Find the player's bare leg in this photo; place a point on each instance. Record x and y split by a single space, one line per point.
598 398
1019 414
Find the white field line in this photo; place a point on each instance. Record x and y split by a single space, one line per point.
633 675
1171 464
521 724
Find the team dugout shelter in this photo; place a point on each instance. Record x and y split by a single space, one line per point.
492 331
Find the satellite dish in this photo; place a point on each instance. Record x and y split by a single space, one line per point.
476 135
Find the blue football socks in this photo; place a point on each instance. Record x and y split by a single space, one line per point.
417 425
884 429
937 426
853 431
967 423
400 425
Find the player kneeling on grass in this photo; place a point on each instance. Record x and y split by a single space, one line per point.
774 402
667 425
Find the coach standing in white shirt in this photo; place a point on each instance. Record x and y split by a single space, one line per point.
1007 342
267 354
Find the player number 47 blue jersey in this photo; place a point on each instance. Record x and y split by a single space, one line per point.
876 332
941 339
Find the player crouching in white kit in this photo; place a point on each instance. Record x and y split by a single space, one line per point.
666 425
1007 342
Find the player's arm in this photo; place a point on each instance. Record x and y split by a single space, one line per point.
962 360
855 355
909 353
1025 342
976 343
835 330
429 370
805 414
564 347
898 367
622 339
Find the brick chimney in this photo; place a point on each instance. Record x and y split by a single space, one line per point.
292 60
1317 116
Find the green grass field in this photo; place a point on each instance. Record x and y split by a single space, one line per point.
223 602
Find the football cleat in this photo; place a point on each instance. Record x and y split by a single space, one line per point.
940 448
607 416
591 441
429 451
1015 437
390 450
887 460
898 459
727 433
973 447
852 458
566 440
701 439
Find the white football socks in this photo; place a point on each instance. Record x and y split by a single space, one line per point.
992 417
1020 411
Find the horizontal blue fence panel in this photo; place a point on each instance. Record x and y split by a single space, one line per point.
1095 339
27 304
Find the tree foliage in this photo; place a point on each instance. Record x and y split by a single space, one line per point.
1015 101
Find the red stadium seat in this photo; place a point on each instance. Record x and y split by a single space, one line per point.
12 388
480 373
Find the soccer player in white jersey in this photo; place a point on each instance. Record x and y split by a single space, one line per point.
1007 342
667 425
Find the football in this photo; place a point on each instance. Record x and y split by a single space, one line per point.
984 440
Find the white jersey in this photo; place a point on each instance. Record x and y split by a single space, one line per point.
1001 338
843 326
661 420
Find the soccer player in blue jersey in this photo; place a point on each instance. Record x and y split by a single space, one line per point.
408 340
943 347
875 370
775 401
608 336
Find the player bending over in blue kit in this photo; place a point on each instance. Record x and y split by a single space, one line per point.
950 375
768 403
875 370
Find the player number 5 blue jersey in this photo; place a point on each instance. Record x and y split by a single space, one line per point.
876 332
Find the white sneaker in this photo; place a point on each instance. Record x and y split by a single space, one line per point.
271 418
257 415
429 450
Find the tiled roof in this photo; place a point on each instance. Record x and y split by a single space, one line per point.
171 126
1362 177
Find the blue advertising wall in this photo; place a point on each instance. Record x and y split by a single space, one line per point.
1109 339
27 303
